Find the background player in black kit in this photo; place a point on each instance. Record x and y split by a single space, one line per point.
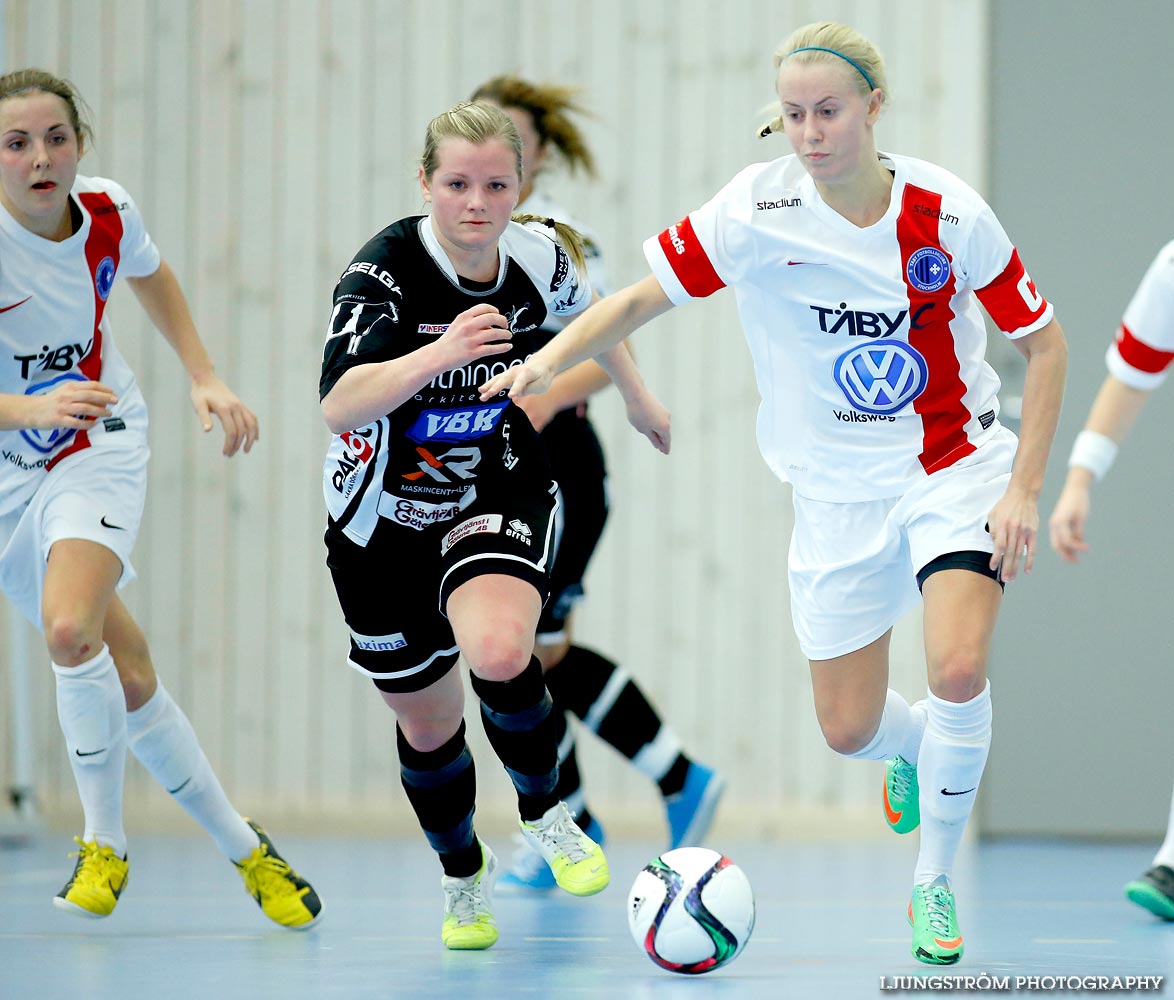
441 507
581 681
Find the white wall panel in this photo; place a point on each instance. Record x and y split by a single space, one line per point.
265 141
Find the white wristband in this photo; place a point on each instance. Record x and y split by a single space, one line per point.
1094 452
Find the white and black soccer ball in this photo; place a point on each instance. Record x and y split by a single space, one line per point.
691 910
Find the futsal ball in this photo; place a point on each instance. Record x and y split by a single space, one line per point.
691 910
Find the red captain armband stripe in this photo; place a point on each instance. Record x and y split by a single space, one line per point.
1011 299
1141 356
688 260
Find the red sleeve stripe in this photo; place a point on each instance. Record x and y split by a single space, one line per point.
1141 356
1011 299
688 260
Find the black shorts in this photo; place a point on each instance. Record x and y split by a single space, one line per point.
576 462
393 592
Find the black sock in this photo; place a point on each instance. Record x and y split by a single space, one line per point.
570 782
519 719
601 694
674 778
441 785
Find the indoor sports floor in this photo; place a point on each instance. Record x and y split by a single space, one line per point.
831 924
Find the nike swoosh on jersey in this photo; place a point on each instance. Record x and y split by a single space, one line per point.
809 263
89 753
107 524
4 309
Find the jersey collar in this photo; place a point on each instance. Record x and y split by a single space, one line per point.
441 259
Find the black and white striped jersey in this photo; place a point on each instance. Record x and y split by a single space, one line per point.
423 463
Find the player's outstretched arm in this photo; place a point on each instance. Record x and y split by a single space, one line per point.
1014 520
164 302
1112 415
601 327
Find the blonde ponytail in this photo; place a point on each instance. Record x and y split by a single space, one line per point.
568 237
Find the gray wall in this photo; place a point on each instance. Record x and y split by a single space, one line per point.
1081 140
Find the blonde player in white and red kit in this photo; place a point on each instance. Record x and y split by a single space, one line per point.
1138 361
73 449
856 275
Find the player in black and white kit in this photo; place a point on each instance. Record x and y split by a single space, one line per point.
73 448
582 682
441 507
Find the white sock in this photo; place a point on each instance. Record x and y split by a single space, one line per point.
656 758
953 754
92 711
1165 855
899 732
162 738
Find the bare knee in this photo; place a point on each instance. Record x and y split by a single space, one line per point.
138 679
849 725
498 654
959 676
847 736
427 731
71 640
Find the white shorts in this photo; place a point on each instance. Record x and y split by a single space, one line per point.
97 495
853 566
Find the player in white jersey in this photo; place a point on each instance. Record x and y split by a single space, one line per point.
441 507
73 443
1138 361
856 274
582 682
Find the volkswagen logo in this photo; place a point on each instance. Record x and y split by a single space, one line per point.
881 378
45 440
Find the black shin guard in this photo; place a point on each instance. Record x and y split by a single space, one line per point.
441 785
570 783
519 719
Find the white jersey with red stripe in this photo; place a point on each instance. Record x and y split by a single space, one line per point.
53 328
868 343
1141 355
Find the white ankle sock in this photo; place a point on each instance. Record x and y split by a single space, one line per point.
953 754
899 733
1165 855
162 738
92 711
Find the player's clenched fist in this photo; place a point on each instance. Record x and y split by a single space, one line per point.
476 333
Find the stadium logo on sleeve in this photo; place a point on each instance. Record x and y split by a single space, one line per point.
928 269
882 377
104 278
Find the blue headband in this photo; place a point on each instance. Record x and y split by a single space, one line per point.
854 63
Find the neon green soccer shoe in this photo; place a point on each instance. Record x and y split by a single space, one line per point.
936 938
575 860
468 907
1155 891
901 791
